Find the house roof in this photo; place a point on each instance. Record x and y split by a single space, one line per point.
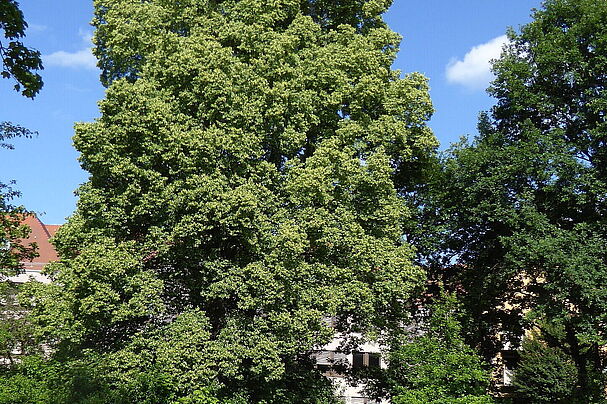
40 235
52 228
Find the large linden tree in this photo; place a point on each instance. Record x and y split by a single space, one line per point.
248 177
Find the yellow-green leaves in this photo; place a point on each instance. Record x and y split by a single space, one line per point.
106 284
244 170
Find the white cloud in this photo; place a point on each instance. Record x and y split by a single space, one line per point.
474 71
82 59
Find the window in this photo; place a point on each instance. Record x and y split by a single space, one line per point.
358 360
329 362
365 359
508 375
510 359
374 361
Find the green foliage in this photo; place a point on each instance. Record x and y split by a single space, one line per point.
16 331
37 380
521 209
12 251
24 385
433 364
18 61
107 284
11 229
545 374
243 188
9 130
176 364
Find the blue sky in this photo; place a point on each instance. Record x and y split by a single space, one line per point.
447 40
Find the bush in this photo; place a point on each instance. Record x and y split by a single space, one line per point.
437 366
544 374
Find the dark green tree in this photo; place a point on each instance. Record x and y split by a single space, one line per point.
242 190
544 374
522 209
18 61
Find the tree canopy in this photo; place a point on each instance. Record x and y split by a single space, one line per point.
523 206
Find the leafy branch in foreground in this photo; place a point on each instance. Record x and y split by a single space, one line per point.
18 61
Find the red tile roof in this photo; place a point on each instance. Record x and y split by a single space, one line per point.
40 235
52 228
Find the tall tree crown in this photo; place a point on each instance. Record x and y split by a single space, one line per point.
245 171
524 204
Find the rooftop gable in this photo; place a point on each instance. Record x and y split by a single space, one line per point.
40 234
